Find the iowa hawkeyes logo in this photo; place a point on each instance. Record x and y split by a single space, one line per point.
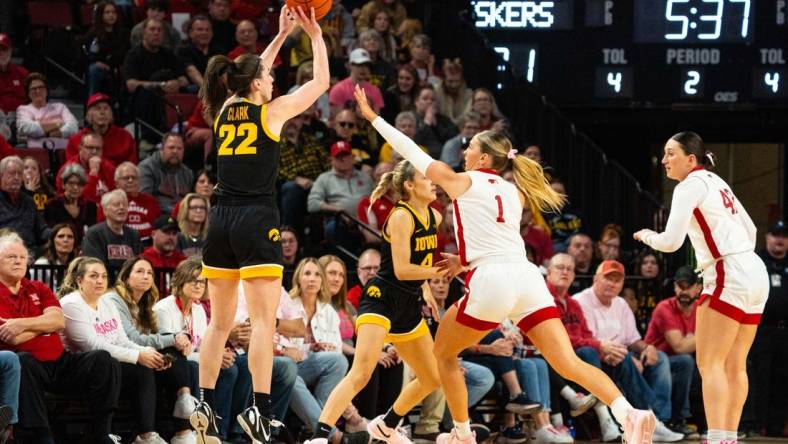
273 235
373 291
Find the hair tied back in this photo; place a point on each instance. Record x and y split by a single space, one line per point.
711 158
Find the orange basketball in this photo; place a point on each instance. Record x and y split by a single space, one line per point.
321 6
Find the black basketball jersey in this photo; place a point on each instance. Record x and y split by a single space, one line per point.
247 154
423 243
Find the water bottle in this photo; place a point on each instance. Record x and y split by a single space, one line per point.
572 430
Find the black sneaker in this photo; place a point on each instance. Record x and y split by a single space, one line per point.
203 421
522 405
514 435
480 431
255 425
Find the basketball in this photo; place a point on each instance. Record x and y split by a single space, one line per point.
321 6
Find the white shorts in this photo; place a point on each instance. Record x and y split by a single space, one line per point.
511 290
737 286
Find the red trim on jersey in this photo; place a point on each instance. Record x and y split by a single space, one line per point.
725 308
460 237
537 317
466 319
704 227
697 168
489 171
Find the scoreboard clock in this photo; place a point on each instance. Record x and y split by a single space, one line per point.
643 52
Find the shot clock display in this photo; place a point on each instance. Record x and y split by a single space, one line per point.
643 52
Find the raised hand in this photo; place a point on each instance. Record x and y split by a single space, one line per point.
363 104
287 20
308 22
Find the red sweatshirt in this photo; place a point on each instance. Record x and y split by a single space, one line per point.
159 260
574 321
97 185
119 146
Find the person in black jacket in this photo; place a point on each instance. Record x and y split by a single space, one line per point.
17 210
105 46
433 129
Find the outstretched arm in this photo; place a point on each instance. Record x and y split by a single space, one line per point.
285 107
287 22
443 175
686 198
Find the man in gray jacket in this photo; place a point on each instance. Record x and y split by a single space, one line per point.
339 189
164 175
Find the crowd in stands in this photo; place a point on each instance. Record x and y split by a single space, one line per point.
98 229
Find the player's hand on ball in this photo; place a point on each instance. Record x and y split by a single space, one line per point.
287 20
306 20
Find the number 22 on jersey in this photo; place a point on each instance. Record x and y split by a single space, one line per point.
228 133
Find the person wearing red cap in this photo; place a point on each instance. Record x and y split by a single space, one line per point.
337 190
610 319
118 146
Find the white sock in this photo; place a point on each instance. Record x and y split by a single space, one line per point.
732 435
557 419
601 412
463 429
568 393
621 408
714 436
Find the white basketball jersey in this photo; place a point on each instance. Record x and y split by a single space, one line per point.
487 218
720 225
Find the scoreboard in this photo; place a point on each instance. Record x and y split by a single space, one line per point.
643 52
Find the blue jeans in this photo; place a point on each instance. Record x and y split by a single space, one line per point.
682 368
650 390
10 373
96 79
293 204
224 390
535 380
479 380
322 371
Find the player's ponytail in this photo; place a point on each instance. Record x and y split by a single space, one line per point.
394 181
531 181
691 143
528 175
224 76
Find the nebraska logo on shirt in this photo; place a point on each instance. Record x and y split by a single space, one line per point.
34 298
119 252
106 327
360 183
16 82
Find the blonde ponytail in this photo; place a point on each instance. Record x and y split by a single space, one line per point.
384 186
531 181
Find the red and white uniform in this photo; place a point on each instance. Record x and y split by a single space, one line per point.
723 236
502 283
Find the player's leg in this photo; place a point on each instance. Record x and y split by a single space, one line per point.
451 339
715 334
417 353
369 341
550 338
736 371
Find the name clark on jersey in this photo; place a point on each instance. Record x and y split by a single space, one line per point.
235 114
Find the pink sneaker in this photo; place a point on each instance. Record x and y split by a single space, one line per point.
451 438
639 427
380 431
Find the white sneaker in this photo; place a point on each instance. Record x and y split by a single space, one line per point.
664 434
380 431
316 441
581 403
610 430
548 434
184 406
151 438
186 438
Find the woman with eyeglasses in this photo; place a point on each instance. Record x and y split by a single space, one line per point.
42 118
182 313
71 207
193 224
93 323
134 296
